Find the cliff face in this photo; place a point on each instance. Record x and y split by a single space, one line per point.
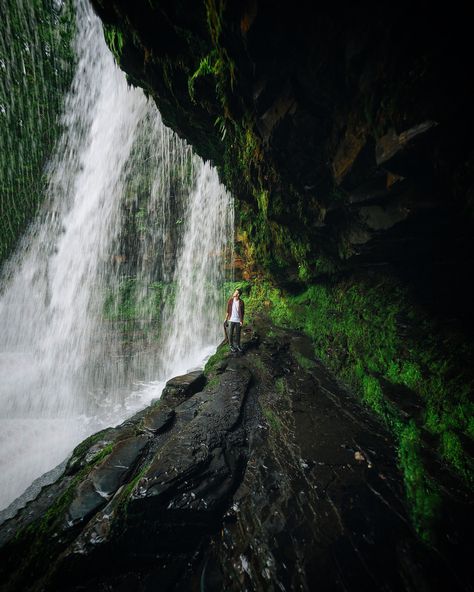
344 134
345 137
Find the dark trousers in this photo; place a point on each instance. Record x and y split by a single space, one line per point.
234 327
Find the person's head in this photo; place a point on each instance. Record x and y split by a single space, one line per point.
237 293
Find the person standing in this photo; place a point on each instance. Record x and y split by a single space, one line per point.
235 319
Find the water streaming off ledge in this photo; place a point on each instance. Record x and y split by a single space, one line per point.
116 285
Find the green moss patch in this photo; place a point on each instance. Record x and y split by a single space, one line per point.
40 542
215 359
272 419
373 335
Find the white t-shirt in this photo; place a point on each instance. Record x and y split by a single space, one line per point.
234 317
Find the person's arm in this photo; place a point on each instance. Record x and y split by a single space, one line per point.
243 311
227 312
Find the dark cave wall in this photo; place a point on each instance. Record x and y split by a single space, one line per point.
348 129
345 136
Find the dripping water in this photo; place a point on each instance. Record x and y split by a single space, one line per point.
129 212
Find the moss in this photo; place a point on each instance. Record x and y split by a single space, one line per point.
84 446
132 300
209 65
303 361
101 454
354 324
405 372
214 381
304 273
453 452
324 265
272 419
262 200
280 386
271 245
114 39
215 360
56 511
372 393
422 491
126 492
38 542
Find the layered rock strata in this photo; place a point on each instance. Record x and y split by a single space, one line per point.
269 477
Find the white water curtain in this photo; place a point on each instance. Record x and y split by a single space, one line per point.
62 376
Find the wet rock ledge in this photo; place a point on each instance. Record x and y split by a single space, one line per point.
260 474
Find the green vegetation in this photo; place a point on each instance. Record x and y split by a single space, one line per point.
135 308
56 512
280 386
215 360
40 537
209 66
36 66
259 365
132 300
303 361
264 240
126 493
114 39
422 492
79 453
214 381
272 419
371 334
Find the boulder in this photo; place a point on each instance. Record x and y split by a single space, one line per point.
180 388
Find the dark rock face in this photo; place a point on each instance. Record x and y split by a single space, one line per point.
180 388
345 134
272 477
197 452
105 478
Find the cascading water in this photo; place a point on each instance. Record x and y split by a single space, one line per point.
127 204
194 316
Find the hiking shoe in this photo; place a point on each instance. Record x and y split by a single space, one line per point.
240 350
233 350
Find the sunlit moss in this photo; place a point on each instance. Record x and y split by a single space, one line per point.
215 359
422 491
453 453
372 393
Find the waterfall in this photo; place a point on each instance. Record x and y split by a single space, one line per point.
128 209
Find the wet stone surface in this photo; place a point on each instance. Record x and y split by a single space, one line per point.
270 476
179 388
104 479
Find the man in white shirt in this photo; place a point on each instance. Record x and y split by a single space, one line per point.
235 319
